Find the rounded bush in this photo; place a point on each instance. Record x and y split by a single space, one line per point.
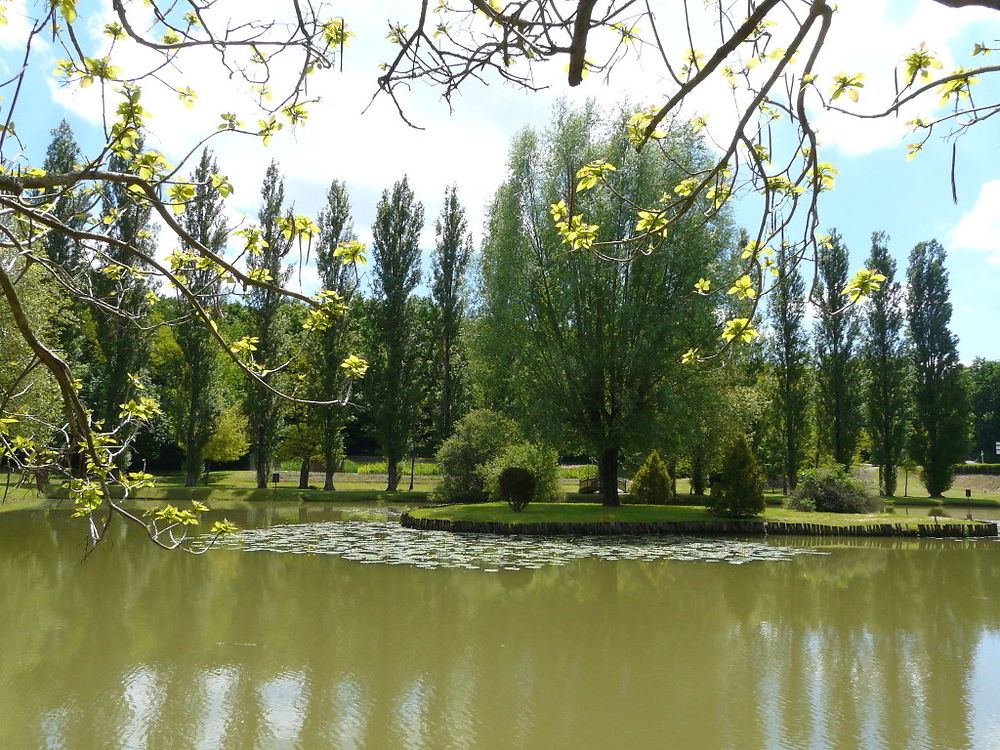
516 487
651 484
479 437
540 461
832 489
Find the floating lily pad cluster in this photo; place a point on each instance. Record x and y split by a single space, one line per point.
390 544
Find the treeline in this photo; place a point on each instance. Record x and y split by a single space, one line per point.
591 355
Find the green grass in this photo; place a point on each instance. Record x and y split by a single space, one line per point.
233 486
596 513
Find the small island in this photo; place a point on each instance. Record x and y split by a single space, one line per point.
560 519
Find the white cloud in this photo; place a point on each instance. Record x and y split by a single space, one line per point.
979 228
868 37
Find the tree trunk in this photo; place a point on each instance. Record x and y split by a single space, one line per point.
698 471
607 467
261 476
261 460
393 472
304 474
412 464
889 480
191 474
329 468
208 470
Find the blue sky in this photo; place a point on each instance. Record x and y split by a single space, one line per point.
877 188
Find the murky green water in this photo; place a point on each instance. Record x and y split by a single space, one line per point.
433 643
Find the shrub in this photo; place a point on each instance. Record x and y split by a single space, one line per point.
540 461
651 484
516 487
739 489
832 489
990 469
479 437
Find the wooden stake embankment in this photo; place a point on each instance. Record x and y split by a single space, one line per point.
722 527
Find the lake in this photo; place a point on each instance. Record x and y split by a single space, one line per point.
329 627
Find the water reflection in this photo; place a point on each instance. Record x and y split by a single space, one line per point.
879 644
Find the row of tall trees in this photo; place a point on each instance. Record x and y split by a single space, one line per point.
594 356
886 368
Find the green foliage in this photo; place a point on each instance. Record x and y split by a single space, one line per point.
988 469
228 441
838 412
449 263
479 437
832 489
883 356
982 380
739 490
788 356
420 468
539 460
196 398
556 343
268 318
331 363
940 429
391 384
651 484
516 487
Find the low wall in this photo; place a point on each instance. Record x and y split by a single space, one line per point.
735 527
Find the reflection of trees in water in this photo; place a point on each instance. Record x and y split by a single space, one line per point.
868 647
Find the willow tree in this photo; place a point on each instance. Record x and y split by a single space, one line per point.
592 350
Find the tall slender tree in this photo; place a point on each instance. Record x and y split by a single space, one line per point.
332 345
63 155
789 355
449 264
71 208
121 336
883 354
838 405
197 407
940 430
391 389
267 315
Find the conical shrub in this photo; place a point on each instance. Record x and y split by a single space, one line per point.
739 490
651 484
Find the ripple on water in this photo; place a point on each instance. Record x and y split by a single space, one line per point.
368 542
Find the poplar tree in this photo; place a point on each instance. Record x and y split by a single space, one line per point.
71 209
63 155
450 261
197 407
789 354
838 408
939 434
121 338
265 306
332 345
391 392
883 354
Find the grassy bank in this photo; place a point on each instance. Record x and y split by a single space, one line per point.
240 486
594 513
